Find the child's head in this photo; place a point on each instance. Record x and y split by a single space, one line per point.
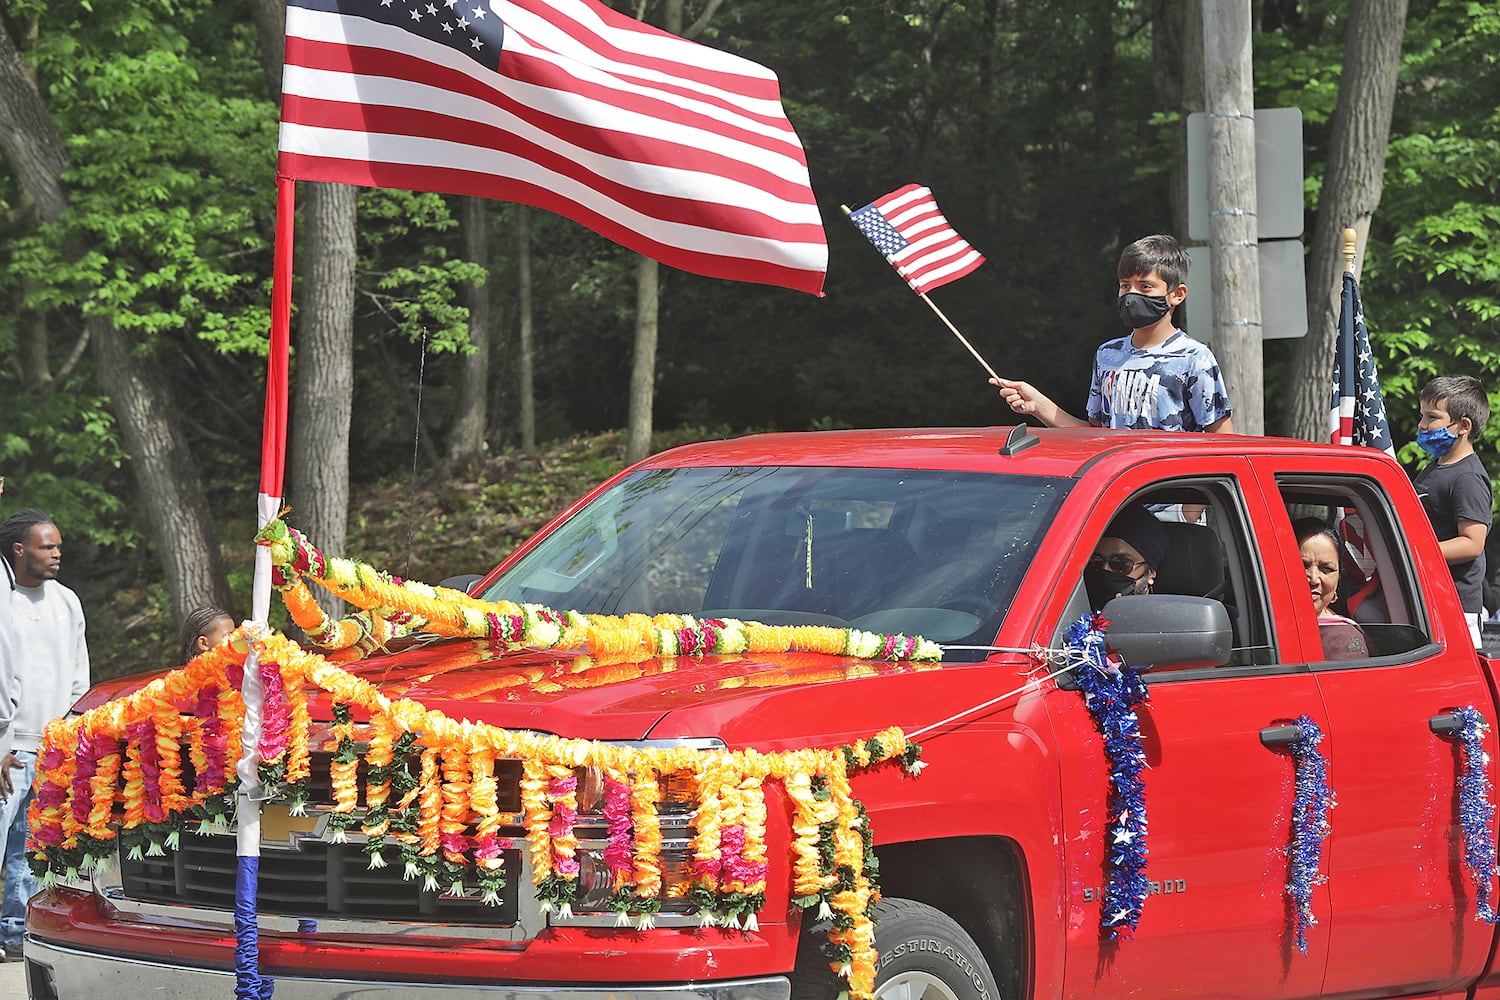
1160 253
203 629
1450 400
1153 282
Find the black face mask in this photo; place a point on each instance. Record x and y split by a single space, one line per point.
1105 585
1138 311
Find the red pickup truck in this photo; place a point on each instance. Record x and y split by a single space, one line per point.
992 862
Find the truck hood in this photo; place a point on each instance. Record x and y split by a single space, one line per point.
767 700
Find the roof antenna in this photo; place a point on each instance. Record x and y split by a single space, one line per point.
1019 439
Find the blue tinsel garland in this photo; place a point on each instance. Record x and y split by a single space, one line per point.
1309 826
1111 694
1476 811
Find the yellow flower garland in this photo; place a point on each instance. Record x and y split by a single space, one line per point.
392 607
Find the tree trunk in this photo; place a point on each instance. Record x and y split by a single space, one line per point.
466 444
647 303
523 306
1233 234
1177 78
31 141
323 376
168 487
1351 192
643 367
270 30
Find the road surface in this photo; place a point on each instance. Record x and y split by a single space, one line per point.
12 981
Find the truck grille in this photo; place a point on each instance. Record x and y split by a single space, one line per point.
316 880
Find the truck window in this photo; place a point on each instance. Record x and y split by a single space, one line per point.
1209 556
1376 587
932 553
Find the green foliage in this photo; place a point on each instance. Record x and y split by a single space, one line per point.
1037 126
1433 264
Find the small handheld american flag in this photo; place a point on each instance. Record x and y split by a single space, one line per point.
908 229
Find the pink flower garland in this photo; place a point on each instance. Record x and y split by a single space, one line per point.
143 734
898 647
276 715
619 848
560 828
50 796
733 866
214 743
85 762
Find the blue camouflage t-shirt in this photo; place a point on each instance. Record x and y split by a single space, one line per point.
1175 386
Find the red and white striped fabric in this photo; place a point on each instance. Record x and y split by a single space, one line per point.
908 229
673 149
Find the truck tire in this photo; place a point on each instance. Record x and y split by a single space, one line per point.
924 955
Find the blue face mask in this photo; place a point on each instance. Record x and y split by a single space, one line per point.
1436 441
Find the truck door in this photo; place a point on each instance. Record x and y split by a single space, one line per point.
1219 802
1403 909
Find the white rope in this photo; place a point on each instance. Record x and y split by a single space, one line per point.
1071 659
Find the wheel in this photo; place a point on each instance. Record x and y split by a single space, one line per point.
924 955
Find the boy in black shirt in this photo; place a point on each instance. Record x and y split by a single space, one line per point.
1454 488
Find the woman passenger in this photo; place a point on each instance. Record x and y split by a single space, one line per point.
1343 639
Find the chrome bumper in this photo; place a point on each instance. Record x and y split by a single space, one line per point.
56 973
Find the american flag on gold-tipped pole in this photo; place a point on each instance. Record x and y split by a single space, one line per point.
1357 415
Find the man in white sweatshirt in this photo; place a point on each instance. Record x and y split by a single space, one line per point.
51 665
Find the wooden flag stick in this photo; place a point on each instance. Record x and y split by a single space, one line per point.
933 306
1351 242
961 338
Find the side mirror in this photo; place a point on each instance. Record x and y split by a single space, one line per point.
1168 630
462 582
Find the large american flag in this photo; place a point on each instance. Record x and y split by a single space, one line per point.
908 229
673 149
1358 412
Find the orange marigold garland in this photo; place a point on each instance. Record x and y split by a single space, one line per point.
430 780
454 817
343 773
377 818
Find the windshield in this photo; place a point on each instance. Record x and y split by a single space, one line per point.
936 554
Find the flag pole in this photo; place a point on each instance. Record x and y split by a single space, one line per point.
933 306
1351 238
248 980
273 428
961 338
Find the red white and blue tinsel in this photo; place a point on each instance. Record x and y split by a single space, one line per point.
1309 826
1111 692
1476 810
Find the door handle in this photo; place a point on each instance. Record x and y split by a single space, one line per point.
1445 725
1280 736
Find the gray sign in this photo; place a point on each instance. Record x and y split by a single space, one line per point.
1283 291
1278 174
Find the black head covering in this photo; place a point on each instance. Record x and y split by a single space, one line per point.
1136 526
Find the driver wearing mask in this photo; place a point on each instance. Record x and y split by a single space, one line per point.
1126 559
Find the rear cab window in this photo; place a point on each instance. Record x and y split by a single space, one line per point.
1378 590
